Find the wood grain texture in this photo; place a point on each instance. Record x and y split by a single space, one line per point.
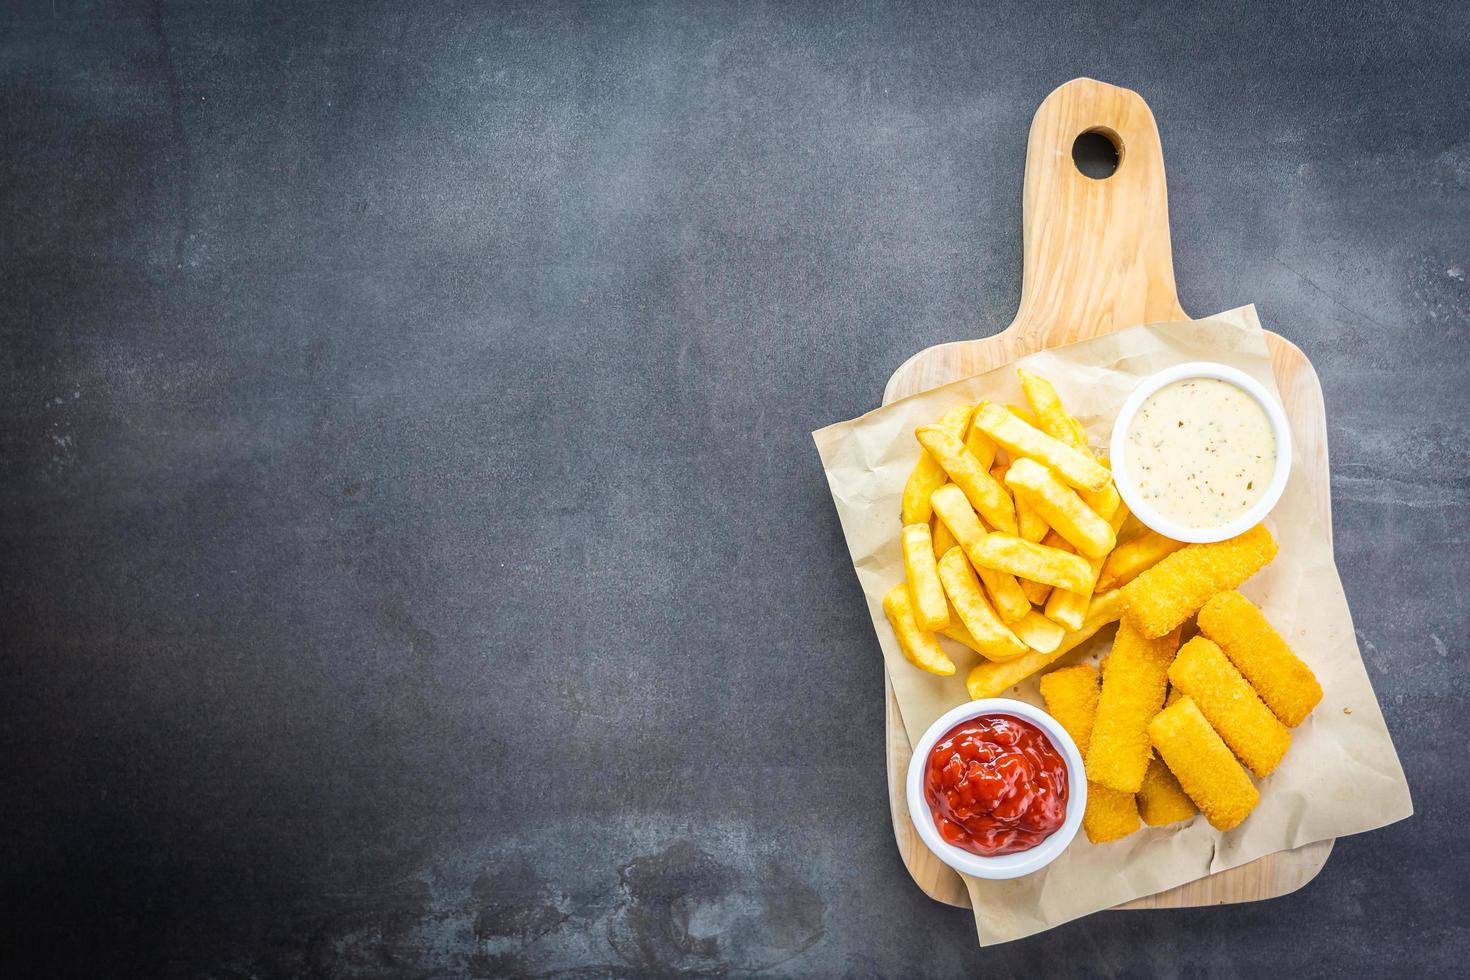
1097 259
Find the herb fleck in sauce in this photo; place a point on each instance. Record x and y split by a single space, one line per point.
1201 451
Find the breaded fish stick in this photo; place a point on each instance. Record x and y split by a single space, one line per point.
1134 682
1203 764
1071 697
1287 685
1135 556
1161 800
1174 589
1230 705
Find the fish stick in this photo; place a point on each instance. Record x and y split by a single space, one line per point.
927 475
1132 693
1202 672
1174 589
1287 685
988 680
1071 698
1131 558
1203 764
1161 800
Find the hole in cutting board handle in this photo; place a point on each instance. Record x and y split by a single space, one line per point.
1098 153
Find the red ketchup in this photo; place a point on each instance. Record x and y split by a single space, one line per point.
996 785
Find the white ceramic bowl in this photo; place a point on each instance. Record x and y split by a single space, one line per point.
1128 490
1006 865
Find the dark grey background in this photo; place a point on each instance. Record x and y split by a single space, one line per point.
415 559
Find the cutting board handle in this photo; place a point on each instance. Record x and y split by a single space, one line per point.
1097 256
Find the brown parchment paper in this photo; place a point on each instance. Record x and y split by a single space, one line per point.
1341 775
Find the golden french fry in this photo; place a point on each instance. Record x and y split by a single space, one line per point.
989 679
1132 528
943 539
1131 558
998 471
931 612
1032 525
1105 607
1070 608
955 511
1027 559
980 444
987 496
919 648
993 638
1038 632
928 475
1036 592
1051 417
1076 468
1023 415
1059 505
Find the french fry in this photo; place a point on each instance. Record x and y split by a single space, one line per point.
1203 764
1023 415
992 638
1174 589
1051 417
919 648
1038 632
927 475
1230 705
980 444
987 680
1070 608
1032 525
1132 558
1076 468
1134 682
1035 592
943 539
1060 507
1105 607
1287 685
931 612
1027 559
955 511
987 496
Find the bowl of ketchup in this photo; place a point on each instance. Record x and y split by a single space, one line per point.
996 788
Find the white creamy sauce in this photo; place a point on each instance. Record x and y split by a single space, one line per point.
1201 451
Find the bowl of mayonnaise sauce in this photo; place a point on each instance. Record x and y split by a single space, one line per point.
1201 452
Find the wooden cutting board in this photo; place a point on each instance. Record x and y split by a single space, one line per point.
1097 259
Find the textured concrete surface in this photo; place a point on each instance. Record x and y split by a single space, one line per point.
415 561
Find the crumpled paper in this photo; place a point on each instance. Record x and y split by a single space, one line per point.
1341 775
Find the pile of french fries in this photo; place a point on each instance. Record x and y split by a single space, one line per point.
1016 544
